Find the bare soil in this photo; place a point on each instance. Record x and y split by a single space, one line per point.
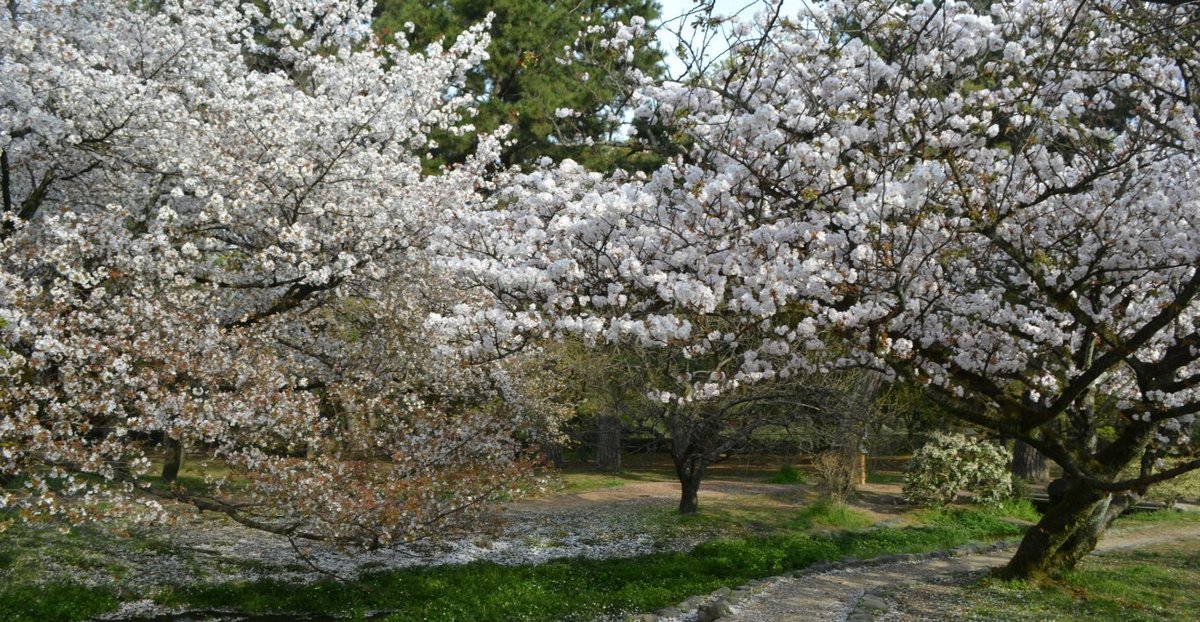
710 490
883 502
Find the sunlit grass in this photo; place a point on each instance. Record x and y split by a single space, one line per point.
830 515
1020 509
1150 584
583 479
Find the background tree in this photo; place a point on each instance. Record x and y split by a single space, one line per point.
1028 463
610 392
556 109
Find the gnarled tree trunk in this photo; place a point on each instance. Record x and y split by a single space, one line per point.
1066 534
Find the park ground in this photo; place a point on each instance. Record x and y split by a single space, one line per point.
591 547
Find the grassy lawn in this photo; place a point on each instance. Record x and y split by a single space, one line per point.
758 515
582 478
1159 582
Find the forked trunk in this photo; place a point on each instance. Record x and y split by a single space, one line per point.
1084 540
691 443
1066 534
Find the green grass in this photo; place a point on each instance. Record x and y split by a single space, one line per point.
1150 584
194 475
835 516
788 474
1012 512
583 482
1020 509
746 516
885 477
31 592
755 515
583 479
54 602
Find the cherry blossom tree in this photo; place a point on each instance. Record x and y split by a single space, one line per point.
213 216
997 201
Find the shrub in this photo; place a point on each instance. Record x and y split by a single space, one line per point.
949 463
789 474
835 476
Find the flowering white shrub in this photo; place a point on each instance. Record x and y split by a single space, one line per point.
952 462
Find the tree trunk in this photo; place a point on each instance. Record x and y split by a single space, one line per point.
608 443
692 439
1029 463
1084 540
690 472
172 458
1065 535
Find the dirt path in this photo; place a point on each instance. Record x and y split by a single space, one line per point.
836 595
879 501
709 491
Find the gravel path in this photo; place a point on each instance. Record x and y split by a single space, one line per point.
846 594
